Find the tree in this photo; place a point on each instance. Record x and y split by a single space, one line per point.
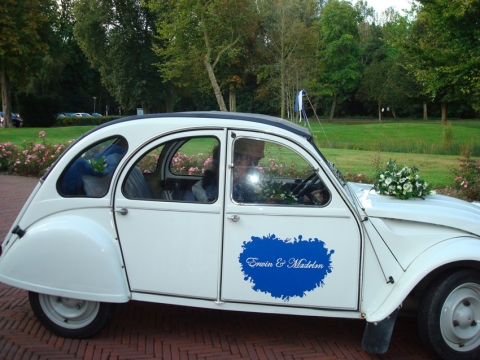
385 79
339 68
22 44
117 38
446 63
286 42
200 39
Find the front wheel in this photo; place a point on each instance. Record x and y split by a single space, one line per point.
449 316
71 318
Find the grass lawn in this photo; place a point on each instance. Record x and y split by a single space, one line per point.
58 135
405 137
435 169
354 144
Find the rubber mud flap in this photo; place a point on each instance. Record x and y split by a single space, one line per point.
377 335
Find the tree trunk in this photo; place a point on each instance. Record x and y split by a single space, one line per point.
332 109
233 100
379 111
425 113
216 88
144 106
168 101
282 90
394 112
444 113
6 101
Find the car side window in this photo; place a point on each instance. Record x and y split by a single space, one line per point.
269 173
183 169
90 173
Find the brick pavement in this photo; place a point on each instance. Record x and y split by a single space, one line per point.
145 330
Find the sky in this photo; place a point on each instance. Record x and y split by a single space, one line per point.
381 5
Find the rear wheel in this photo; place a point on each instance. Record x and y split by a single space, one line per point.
69 317
449 316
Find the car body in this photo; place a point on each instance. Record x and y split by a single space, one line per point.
16 120
70 114
95 114
241 212
83 114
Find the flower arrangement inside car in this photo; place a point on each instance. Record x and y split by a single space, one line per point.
403 183
273 191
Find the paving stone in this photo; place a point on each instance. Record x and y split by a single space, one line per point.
147 331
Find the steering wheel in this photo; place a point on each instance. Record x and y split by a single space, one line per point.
303 188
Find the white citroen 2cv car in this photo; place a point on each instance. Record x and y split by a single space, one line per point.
238 212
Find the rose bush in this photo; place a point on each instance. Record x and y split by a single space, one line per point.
31 158
466 184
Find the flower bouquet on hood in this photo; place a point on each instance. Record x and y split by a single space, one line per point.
403 183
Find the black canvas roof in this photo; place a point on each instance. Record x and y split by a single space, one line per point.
257 118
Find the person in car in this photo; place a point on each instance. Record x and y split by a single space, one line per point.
246 155
206 190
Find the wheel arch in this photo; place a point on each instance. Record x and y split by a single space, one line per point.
448 255
421 287
67 255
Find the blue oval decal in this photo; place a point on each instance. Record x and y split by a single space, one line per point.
285 268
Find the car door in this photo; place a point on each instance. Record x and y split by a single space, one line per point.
289 237
170 241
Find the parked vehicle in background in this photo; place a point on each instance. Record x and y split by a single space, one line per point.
241 212
69 114
16 120
96 114
83 114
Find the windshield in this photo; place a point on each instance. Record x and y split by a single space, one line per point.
336 172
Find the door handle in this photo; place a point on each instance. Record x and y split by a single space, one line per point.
234 218
122 211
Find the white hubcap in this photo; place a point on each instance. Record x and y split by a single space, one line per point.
460 318
69 313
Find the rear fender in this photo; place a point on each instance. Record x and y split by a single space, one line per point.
67 255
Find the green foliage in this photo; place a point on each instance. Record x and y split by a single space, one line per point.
30 158
446 63
466 184
84 120
99 164
37 111
447 138
339 68
202 44
117 38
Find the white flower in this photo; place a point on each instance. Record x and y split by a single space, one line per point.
407 187
388 181
432 192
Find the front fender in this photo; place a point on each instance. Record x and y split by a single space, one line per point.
67 255
445 252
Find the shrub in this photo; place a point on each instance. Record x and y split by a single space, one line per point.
31 159
84 120
37 111
466 184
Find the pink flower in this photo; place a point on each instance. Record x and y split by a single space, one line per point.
42 134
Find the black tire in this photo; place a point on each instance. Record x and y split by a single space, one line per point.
70 318
449 316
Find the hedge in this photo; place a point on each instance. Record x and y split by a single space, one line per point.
84 120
